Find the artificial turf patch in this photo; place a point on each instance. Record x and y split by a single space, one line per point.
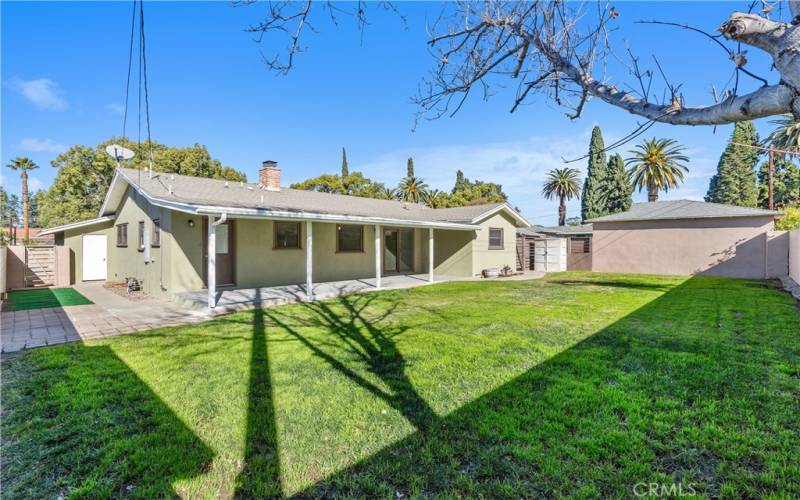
23 300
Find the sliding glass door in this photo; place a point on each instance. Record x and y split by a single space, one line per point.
398 250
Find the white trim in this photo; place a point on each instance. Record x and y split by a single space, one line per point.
309 260
77 225
504 206
378 256
430 255
108 193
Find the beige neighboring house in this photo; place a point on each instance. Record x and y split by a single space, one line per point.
685 237
159 229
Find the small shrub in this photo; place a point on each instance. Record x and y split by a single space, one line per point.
789 221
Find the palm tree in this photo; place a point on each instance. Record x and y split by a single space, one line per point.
412 189
564 184
23 165
787 135
657 164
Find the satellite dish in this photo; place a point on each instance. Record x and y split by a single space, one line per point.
118 152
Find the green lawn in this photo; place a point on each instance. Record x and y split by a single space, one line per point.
21 300
576 384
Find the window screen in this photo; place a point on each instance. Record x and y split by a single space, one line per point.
349 238
156 239
287 235
579 245
495 238
141 235
122 235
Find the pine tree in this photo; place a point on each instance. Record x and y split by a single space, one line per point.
410 168
735 180
592 200
345 168
618 190
462 183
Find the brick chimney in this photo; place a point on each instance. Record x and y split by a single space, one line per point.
269 177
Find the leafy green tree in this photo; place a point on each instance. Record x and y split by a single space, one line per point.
9 208
619 191
574 221
345 167
24 165
412 190
592 200
735 180
785 184
562 183
84 174
466 192
790 220
657 165
410 168
36 201
354 184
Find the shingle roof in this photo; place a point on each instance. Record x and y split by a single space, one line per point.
563 230
201 191
683 209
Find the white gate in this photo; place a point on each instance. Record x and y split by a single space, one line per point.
40 266
549 254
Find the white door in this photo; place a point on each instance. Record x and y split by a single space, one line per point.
94 257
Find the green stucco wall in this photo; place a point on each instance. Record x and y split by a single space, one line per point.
482 257
177 265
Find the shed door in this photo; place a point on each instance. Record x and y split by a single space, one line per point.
94 257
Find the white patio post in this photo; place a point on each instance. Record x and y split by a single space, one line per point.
211 272
377 256
309 260
430 254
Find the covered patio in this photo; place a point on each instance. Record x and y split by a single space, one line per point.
236 299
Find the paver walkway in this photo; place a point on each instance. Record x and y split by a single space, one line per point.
110 315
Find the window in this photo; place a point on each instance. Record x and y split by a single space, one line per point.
349 238
141 235
287 235
495 238
156 239
122 235
579 245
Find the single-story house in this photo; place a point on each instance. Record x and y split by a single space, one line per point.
578 239
686 237
158 228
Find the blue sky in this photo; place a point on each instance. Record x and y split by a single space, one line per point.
64 67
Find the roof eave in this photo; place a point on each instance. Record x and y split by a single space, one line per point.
76 225
505 206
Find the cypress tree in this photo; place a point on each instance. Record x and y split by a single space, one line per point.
619 191
410 168
735 180
345 168
592 200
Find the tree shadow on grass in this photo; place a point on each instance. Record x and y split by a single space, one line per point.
260 476
78 421
367 338
663 395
